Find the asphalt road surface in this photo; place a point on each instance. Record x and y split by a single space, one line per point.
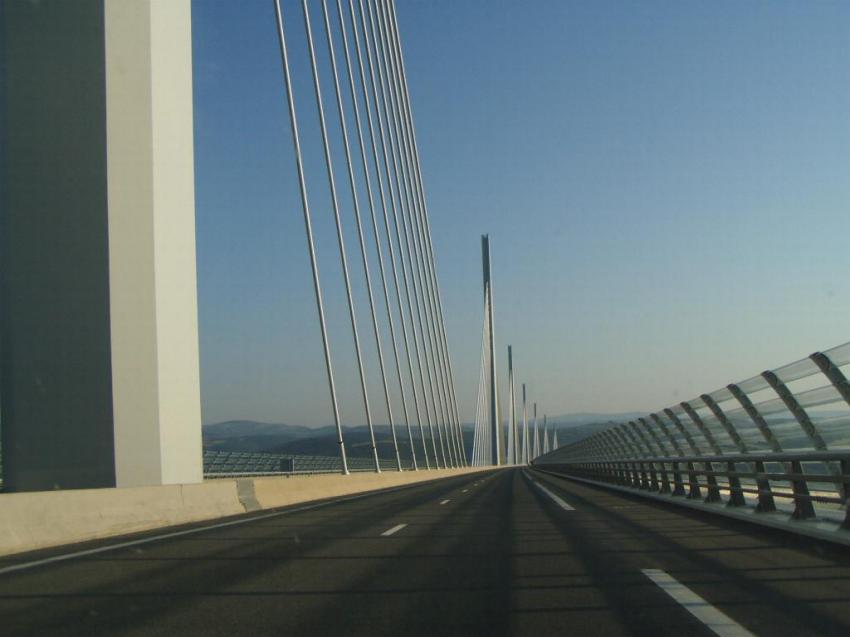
506 552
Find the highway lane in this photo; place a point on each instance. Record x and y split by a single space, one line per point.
770 582
487 554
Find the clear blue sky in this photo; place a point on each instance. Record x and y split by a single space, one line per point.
666 186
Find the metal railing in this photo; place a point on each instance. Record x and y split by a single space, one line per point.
784 434
229 464
732 478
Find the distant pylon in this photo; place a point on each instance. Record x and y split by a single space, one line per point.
513 437
536 435
494 437
525 453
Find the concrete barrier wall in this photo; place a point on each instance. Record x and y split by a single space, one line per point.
278 492
30 521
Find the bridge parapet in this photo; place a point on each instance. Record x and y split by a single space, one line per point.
777 443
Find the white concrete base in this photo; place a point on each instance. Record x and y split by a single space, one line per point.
30 521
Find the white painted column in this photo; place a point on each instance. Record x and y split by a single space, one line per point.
151 219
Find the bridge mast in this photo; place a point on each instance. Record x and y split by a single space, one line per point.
99 381
513 443
524 427
497 452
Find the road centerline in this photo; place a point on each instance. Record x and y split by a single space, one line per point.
714 619
395 529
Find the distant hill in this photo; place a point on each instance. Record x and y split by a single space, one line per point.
586 418
253 436
239 428
249 435
357 443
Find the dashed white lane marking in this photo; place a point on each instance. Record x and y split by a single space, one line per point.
395 529
557 499
445 501
465 490
715 620
167 536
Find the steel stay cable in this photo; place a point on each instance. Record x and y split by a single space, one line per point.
426 224
401 228
339 231
386 216
420 270
398 97
360 236
377 236
305 206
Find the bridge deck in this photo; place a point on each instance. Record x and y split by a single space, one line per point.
484 554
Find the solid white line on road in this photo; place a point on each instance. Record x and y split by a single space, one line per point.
445 501
557 499
395 529
717 621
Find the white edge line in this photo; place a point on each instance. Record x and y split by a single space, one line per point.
395 529
210 527
714 619
557 499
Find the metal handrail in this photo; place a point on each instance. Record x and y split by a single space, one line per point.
766 413
683 476
786 456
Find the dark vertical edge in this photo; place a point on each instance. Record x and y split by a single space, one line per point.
55 339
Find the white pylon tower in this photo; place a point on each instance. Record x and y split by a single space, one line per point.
536 451
546 448
479 445
491 436
513 433
525 440
554 439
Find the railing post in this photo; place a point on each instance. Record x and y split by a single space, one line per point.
693 483
640 476
620 472
736 494
678 486
765 495
653 476
665 482
612 452
766 503
803 507
629 475
839 381
713 490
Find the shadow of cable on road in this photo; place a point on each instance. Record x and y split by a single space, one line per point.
725 564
